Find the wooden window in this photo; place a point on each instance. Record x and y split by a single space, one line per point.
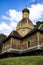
28 44
23 31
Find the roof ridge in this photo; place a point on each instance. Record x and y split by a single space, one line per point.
40 26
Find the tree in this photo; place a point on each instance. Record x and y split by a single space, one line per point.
39 23
2 37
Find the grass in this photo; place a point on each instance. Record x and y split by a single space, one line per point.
26 60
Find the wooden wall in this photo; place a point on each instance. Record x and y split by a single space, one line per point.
33 40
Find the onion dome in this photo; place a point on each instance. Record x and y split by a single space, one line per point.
25 10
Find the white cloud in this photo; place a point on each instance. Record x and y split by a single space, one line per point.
5 17
36 14
5 28
14 15
13 24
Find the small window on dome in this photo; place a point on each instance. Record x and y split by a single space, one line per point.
23 31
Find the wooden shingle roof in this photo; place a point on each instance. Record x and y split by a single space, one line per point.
15 34
36 29
12 34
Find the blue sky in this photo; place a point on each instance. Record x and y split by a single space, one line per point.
11 13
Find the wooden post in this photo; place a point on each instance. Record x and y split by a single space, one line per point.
11 42
38 38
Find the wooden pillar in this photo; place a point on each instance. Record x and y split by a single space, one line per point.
3 48
38 38
11 42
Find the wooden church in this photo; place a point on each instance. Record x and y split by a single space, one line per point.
26 40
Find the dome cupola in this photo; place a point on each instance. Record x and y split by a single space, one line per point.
25 25
25 13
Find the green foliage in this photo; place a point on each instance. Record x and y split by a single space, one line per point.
39 22
2 37
26 60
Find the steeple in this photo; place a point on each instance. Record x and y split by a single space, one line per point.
25 13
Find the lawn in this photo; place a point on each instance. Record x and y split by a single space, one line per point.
26 60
